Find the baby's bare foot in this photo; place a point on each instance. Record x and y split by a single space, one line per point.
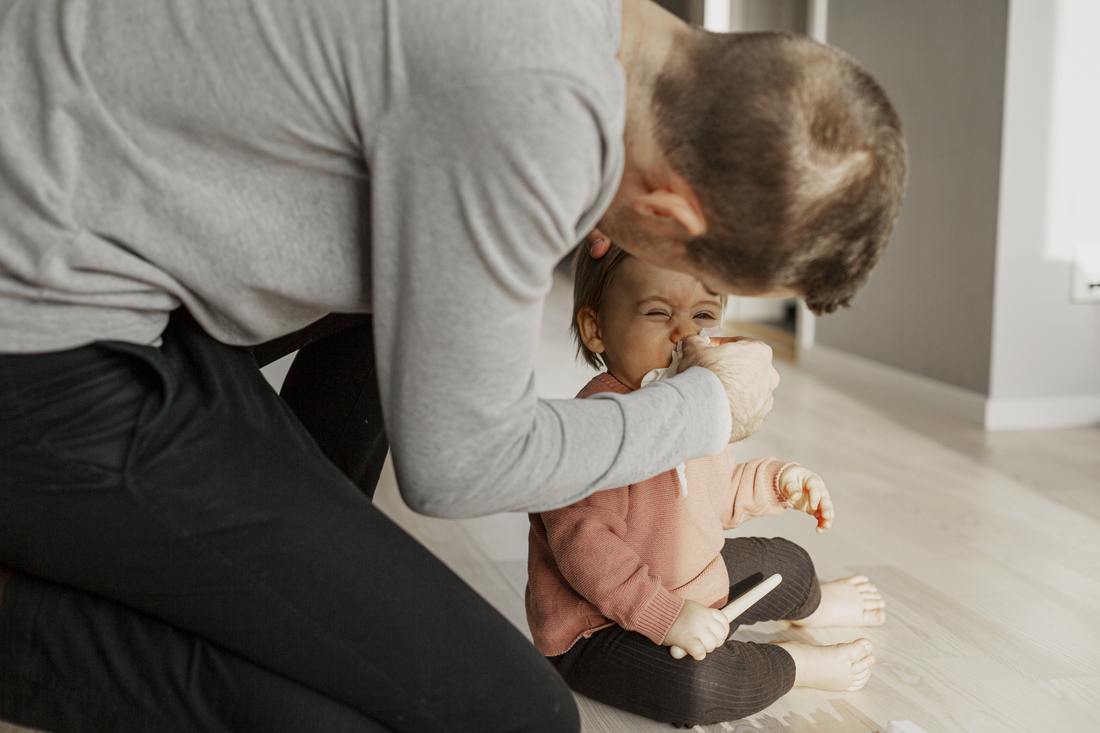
847 602
844 667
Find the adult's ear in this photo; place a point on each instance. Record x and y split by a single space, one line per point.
589 327
670 206
598 244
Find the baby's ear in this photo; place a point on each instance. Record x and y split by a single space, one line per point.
589 326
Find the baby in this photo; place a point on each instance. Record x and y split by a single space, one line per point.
619 576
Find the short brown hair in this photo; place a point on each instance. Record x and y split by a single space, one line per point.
797 157
591 276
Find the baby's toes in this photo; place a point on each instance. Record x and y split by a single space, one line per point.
859 682
870 596
861 670
859 650
873 601
874 617
861 666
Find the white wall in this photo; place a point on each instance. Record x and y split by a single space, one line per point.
1045 366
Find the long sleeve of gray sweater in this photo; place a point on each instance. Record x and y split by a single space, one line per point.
266 162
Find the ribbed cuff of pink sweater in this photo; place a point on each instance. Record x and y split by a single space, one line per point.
657 617
775 481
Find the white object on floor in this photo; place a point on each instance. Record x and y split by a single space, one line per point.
903 726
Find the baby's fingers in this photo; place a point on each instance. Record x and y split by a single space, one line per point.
816 494
696 649
825 517
824 513
705 642
713 634
720 626
794 494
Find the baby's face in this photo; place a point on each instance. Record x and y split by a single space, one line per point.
645 311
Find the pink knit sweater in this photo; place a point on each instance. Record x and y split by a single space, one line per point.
630 556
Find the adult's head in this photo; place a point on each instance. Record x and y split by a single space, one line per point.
758 162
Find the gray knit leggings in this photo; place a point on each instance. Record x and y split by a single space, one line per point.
625 669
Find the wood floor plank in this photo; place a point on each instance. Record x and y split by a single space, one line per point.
1080 693
1000 700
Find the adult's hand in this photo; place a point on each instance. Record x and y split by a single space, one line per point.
744 366
598 243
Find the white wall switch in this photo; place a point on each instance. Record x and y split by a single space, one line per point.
1085 287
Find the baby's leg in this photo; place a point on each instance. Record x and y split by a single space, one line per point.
626 670
750 560
799 598
838 667
847 602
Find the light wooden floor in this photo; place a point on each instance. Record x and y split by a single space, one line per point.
986 547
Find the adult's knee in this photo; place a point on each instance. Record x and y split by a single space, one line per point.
546 706
79 661
5 575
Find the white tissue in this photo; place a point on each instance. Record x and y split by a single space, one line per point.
672 370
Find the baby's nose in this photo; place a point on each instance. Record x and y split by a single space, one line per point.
683 329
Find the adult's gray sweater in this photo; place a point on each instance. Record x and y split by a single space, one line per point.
265 162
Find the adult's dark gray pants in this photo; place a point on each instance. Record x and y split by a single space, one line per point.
193 553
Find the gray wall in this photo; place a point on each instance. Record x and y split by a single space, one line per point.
929 305
689 10
768 15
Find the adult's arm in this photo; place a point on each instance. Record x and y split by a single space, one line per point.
477 191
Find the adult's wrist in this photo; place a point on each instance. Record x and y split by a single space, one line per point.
716 409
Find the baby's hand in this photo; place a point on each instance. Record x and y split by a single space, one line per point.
806 492
698 630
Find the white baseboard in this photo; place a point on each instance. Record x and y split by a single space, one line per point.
1042 413
863 376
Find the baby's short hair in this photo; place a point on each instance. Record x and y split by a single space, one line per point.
797 157
591 276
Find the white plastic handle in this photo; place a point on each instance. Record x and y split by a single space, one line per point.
741 604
